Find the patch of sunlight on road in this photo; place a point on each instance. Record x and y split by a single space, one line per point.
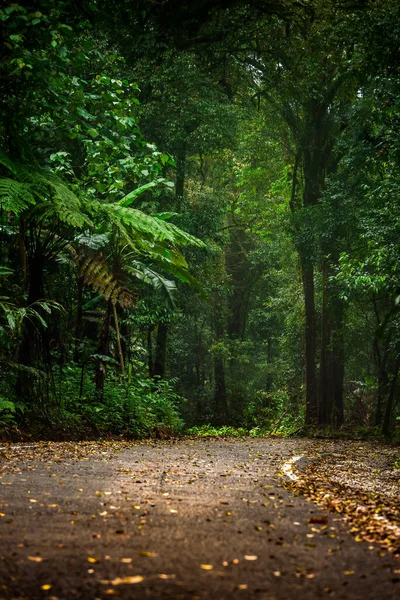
288 467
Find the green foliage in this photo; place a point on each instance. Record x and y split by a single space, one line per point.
10 412
137 409
210 431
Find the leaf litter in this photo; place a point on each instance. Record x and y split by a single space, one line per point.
337 481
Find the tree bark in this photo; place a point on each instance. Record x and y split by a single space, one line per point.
390 401
150 351
332 354
220 393
103 349
310 342
161 351
118 336
78 320
180 176
27 347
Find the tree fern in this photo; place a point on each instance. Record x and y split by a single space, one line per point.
15 196
52 197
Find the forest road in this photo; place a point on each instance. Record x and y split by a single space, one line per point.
186 519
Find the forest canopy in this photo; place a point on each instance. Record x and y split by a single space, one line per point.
199 217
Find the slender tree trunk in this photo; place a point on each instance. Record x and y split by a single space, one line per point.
150 351
382 364
390 401
310 342
180 176
28 345
220 393
103 349
118 336
161 351
78 320
332 354
313 176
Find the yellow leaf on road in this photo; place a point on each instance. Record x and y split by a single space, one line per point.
206 567
123 580
35 558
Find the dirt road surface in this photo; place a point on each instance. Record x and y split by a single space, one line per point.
187 519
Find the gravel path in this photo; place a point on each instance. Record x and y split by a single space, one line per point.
188 519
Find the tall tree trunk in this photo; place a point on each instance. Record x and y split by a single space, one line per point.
310 342
78 320
161 351
314 172
332 354
150 351
103 349
180 176
28 346
381 359
220 393
118 337
390 401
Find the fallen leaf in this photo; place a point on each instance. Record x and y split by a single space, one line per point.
35 558
348 572
319 520
127 580
46 586
242 586
206 567
165 576
126 560
93 559
250 557
147 554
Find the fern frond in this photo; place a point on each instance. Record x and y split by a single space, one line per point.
96 273
7 163
7 405
147 225
59 201
15 196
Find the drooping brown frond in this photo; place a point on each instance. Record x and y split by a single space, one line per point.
96 273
